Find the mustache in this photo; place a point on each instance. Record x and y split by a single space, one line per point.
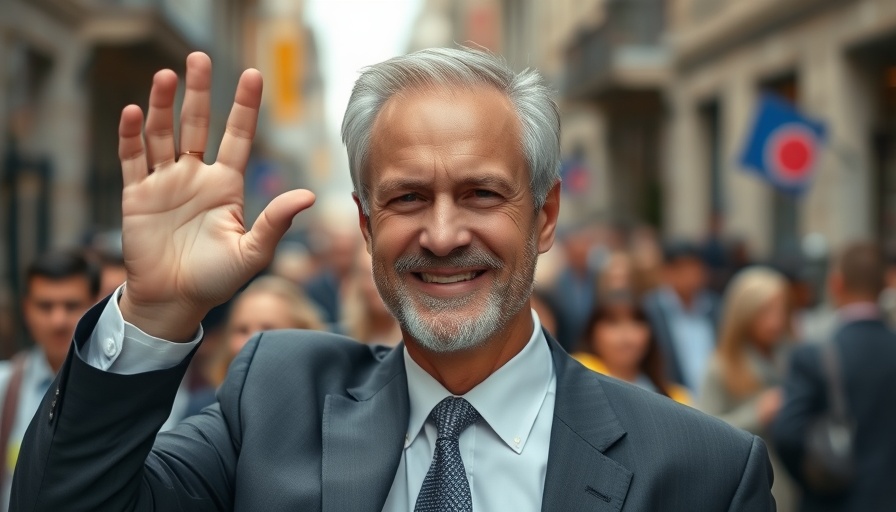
460 257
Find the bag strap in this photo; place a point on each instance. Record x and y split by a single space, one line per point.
836 392
10 407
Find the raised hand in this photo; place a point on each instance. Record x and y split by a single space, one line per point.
185 246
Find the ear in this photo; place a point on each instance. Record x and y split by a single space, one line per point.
547 219
363 222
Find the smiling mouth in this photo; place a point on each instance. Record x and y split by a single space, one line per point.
448 279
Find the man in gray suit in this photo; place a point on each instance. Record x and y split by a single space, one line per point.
454 160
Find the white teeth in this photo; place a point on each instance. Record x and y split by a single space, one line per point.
430 278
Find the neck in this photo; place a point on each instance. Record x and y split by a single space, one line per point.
459 372
687 299
55 364
764 349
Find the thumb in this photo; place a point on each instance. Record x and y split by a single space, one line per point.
259 243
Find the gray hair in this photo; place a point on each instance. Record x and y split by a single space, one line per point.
531 98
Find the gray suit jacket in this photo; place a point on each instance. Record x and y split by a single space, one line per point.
312 421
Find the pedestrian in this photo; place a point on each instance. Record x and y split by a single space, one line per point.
619 342
684 314
742 384
59 287
268 303
863 350
365 317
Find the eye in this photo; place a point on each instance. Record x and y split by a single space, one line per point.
406 198
484 194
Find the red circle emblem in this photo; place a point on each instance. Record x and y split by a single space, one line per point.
790 153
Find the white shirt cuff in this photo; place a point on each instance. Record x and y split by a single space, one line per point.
120 347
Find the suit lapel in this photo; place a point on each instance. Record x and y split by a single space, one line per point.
363 438
579 475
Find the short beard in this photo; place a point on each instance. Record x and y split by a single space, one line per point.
445 333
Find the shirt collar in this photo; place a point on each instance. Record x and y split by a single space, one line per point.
857 312
508 400
700 306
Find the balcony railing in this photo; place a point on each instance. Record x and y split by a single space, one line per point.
630 38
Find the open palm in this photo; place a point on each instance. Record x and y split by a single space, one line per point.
185 244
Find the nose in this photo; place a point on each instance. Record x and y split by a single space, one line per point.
58 316
446 228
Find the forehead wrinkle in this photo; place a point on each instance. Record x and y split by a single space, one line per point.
425 127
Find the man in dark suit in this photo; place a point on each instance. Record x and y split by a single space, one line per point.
684 314
866 354
454 159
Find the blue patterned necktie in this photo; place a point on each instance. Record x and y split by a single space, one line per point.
445 488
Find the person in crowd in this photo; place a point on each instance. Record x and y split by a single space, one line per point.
573 292
455 162
365 316
335 245
619 342
616 276
715 253
684 315
59 287
865 354
268 303
742 384
647 259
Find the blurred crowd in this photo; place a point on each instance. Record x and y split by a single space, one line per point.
696 320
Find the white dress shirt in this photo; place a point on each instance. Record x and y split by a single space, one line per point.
693 337
36 380
505 454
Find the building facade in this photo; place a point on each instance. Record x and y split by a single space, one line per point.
836 61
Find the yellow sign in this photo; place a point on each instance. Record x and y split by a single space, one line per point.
289 78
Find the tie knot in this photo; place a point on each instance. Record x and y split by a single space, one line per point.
452 415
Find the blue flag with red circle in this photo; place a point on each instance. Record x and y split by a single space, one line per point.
784 145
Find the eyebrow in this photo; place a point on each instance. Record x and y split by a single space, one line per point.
390 186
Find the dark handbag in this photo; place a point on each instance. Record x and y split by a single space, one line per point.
829 465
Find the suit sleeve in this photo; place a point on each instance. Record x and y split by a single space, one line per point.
803 399
93 443
754 492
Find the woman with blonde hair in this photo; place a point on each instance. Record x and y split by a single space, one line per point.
268 303
742 385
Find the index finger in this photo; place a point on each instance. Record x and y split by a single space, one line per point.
237 142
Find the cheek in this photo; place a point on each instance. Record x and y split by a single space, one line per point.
391 237
640 339
604 340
